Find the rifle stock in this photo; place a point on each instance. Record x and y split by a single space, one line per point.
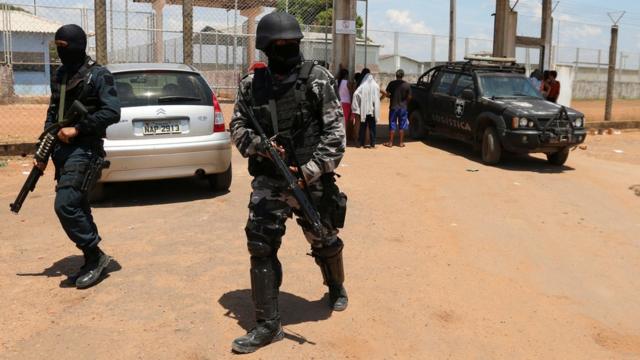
47 141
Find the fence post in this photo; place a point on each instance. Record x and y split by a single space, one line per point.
101 30
577 63
466 47
599 62
433 50
187 32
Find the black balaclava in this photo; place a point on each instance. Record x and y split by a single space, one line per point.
283 58
74 54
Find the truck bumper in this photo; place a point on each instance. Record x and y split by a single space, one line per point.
534 141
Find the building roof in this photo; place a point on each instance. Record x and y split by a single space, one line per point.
385 57
222 4
21 21
117 68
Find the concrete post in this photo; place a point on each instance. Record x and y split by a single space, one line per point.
396 51
344 45
613 50
504 33
187 32
251 15
158 39
101 31
546 34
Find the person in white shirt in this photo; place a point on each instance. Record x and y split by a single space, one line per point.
366 107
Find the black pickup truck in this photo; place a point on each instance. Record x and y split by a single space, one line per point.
493 105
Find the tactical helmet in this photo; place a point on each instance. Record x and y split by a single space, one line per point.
277 26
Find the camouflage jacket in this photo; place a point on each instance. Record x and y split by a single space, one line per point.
330 149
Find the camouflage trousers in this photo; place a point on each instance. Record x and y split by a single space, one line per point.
272 204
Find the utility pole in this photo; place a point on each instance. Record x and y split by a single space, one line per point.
187 32
344 40
452 31
101 31
613 50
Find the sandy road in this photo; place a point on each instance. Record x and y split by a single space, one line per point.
518 261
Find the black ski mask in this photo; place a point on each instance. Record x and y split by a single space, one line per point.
73 55
283 58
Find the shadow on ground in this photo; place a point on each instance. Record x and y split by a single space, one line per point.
513 162
293 310
156 192
68 267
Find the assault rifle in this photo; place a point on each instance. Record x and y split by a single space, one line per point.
311 215
46 143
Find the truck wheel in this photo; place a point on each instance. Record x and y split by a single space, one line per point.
97 194
491 147
558 158
416 126
222 181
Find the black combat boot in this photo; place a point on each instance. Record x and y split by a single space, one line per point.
95 263
265 333
266 278
330 261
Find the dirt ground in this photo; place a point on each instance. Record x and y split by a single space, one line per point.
445 259
23 122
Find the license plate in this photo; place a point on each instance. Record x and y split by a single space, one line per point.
161 127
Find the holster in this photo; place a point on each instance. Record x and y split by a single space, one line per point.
333 204
94 172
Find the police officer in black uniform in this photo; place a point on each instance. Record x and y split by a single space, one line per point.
296 105
80 78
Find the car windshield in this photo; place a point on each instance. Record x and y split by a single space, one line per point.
495 86
146 88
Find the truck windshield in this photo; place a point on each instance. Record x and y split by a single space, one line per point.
495 86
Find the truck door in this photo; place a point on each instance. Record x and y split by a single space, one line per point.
464 108
443 101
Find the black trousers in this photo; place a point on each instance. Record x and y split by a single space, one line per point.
72 204
369 122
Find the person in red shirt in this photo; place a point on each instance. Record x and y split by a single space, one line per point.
554 87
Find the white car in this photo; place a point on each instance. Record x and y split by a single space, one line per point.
171 126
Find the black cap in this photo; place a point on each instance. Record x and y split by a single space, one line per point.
277 26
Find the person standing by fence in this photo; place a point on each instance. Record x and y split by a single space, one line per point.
399 93
366 107
344 91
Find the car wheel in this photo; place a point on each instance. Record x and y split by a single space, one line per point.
416 126
98 193
220 182
491 147
558 158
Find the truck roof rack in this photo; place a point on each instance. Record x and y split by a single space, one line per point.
486 63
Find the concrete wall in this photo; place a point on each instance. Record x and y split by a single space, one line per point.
593 90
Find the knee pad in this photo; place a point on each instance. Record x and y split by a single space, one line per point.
329 251
263 241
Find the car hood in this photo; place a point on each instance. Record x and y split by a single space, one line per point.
533 107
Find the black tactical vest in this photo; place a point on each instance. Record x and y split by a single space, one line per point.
299 122
79 87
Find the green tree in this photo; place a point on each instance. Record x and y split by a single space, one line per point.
313 12
10 7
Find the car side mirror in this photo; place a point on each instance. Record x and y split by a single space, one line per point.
468 94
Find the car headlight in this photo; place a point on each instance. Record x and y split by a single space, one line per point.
523 122
578 122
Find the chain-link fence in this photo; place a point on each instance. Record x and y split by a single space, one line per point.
222 46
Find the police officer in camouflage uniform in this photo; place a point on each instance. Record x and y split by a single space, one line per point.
79 144
295 101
